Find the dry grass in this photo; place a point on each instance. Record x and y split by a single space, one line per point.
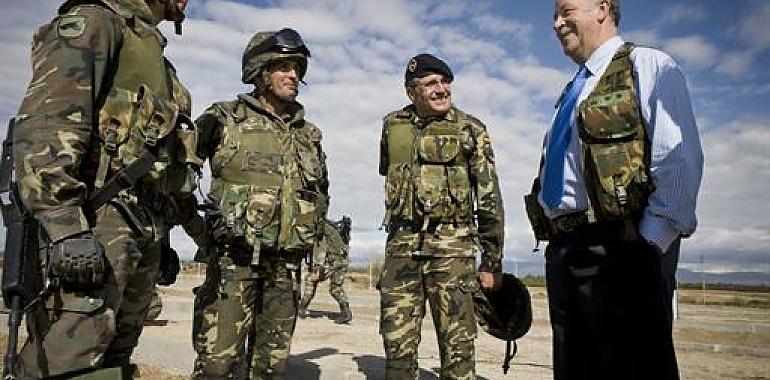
756 299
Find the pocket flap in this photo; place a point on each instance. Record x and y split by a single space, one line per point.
439 148
611 116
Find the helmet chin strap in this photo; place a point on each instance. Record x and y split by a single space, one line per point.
173 13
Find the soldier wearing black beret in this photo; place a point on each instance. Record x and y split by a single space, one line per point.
438 166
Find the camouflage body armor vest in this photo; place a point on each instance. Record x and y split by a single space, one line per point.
265 178
614 143
427 179
144 111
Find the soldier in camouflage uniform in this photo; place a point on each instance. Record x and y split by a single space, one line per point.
442 205
330 261
100 153
266 209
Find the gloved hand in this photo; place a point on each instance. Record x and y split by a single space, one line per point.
169 265
78 261
216 225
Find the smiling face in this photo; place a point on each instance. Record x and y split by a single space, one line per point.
431 95
283 78
582 26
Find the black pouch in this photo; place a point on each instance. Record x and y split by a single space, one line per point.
541 226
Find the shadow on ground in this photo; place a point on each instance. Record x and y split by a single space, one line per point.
301 367
374 369
313 314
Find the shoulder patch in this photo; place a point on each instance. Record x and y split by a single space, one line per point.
71 26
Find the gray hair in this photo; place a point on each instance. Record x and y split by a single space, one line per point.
614 10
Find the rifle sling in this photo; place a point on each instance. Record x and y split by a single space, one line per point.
126 178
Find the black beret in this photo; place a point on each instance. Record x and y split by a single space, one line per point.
423 64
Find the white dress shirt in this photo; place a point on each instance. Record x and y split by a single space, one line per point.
677 159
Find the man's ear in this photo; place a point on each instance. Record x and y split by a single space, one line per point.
604 12
410 93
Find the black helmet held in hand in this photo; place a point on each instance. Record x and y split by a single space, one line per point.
505 313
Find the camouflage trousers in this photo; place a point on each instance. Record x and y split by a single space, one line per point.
446 283
97 328
336 277
223 312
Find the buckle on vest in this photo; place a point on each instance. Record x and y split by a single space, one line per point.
111 137
152 131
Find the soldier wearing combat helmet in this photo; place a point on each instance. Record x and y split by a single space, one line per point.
442 206
103 145
267 205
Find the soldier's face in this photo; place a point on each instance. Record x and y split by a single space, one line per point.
576 23
283 78
432 95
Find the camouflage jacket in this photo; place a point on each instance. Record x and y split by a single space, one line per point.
268 172
471 155
331 252
75 63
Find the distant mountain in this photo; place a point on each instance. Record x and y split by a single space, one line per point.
737 278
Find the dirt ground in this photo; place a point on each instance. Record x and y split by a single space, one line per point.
714 341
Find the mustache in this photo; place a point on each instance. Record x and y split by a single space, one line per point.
436 95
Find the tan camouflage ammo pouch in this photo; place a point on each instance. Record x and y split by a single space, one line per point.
130 123
301 220
303 205
443 187
399 194
541 225
247 170
615 144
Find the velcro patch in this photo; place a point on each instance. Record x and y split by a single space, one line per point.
71 26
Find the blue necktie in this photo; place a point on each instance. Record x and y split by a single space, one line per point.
553 183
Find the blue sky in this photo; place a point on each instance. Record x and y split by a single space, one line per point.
509 69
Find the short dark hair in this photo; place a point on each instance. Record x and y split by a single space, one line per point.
614 10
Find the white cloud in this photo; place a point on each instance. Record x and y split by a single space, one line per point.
355 77
520 32
695 51
735 63
678 14
643 37
732 206
754 28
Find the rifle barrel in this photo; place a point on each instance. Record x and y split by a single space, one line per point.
14 322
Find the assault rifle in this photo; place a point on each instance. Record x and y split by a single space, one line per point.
21 275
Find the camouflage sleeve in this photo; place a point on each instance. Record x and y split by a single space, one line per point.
71 57
384 149
193 223
489 203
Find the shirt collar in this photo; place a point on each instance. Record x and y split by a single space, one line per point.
602 56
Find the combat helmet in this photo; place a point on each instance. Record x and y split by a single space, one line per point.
505 313
268 46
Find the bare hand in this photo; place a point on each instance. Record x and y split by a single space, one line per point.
490 281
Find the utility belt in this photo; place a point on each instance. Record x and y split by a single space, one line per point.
545 229
427 225
570 222
242 255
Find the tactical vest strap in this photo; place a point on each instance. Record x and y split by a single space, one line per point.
6 164
126 178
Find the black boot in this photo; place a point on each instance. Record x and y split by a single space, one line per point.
345 314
